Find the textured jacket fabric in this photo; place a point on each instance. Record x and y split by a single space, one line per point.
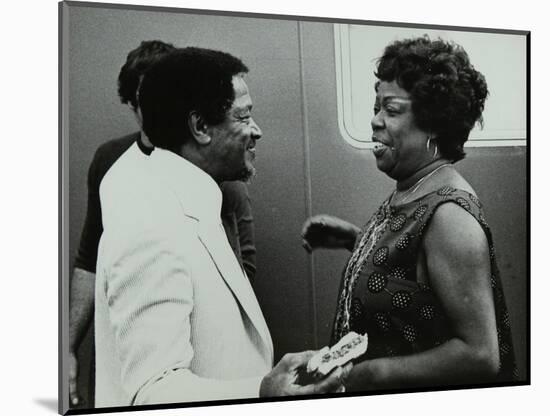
104 157
176 318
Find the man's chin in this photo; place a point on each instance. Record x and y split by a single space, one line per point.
247 174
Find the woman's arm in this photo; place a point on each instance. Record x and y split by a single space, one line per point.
458 268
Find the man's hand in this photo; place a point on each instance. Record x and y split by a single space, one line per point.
326 231
282 380
73 380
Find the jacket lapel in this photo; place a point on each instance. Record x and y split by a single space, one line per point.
200 198
214 240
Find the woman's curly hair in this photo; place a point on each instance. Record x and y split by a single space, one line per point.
448 94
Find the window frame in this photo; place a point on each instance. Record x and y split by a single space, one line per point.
362 139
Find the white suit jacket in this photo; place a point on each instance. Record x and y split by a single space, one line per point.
176 318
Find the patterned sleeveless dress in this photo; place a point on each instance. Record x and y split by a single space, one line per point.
380 295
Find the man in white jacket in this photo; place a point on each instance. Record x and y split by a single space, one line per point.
176 317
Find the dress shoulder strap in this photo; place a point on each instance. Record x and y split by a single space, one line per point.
427 205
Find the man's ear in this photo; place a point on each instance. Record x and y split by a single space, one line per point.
198 128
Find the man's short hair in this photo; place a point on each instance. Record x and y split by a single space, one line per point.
138 61
189 79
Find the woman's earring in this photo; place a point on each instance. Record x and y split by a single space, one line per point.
428 142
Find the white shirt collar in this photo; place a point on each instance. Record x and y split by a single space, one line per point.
200 195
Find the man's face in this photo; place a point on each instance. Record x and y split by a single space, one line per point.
234 139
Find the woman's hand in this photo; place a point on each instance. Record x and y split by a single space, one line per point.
326 231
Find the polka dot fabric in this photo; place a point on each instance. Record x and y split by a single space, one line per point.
383 321
377 282
397 222
420 211
379 292
427 312
380 256
409 333
401 299
404 241
398 273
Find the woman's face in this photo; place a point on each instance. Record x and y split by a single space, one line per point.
400 146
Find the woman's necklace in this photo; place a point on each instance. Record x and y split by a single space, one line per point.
419 182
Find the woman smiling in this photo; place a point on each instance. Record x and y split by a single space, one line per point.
422 279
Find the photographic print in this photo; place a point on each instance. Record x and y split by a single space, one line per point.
268 208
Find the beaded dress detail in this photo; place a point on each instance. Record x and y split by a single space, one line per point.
380 295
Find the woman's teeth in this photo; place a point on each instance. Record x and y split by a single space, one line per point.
379 148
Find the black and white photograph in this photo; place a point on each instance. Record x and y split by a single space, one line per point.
265 208
279 211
